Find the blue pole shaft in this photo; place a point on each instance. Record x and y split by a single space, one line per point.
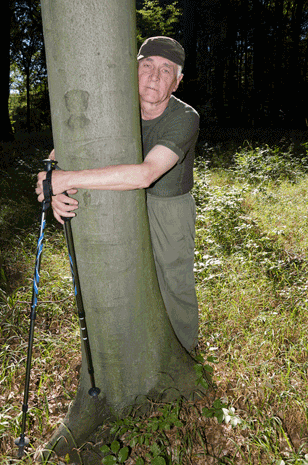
23 441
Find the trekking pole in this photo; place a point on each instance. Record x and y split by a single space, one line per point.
23 441
94 391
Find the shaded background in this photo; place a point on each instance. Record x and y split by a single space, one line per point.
246 64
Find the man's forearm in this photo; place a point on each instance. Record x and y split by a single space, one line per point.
117 177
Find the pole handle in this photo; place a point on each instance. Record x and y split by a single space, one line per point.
49 165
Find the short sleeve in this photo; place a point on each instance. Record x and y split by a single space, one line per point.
180 132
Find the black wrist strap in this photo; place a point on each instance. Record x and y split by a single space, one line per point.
47 190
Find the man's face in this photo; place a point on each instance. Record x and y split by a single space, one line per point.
157 79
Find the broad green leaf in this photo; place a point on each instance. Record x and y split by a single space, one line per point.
123 454
200 359
105 449
208 368
158 461
198 369
203 383
208 412
115 447
218 404
109 460
212 359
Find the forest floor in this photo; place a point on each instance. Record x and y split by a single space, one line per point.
252 282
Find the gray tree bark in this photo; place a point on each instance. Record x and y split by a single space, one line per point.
92 72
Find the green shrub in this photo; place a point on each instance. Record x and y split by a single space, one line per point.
265 164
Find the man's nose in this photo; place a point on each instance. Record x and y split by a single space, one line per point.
155 75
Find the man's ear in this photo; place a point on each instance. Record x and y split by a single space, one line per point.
176 85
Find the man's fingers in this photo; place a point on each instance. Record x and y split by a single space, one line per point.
60 213
39 185
64 200
72 191
52 155
58 217
63 206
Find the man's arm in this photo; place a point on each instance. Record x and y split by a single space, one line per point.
118 177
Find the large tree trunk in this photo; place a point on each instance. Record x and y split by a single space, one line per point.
91 61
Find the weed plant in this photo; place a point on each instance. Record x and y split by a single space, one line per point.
264 164
252 283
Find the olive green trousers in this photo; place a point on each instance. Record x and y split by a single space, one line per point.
172 226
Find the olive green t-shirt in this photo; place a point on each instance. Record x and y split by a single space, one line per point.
177 128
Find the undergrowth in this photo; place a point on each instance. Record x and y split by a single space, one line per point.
252 283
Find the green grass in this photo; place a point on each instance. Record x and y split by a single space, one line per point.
56 340
252 283
251 261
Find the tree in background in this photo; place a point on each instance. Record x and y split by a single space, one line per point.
95 116
247 60
29 103
6 132
27 49
252 57
156 20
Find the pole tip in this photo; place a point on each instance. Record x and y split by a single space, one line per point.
22 442
94 392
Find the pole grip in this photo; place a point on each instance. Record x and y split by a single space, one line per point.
49 165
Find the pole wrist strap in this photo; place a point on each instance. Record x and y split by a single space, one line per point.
47 190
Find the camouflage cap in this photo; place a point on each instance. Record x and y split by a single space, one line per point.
164 47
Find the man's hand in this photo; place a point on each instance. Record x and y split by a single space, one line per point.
52 155
64 206
58 182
